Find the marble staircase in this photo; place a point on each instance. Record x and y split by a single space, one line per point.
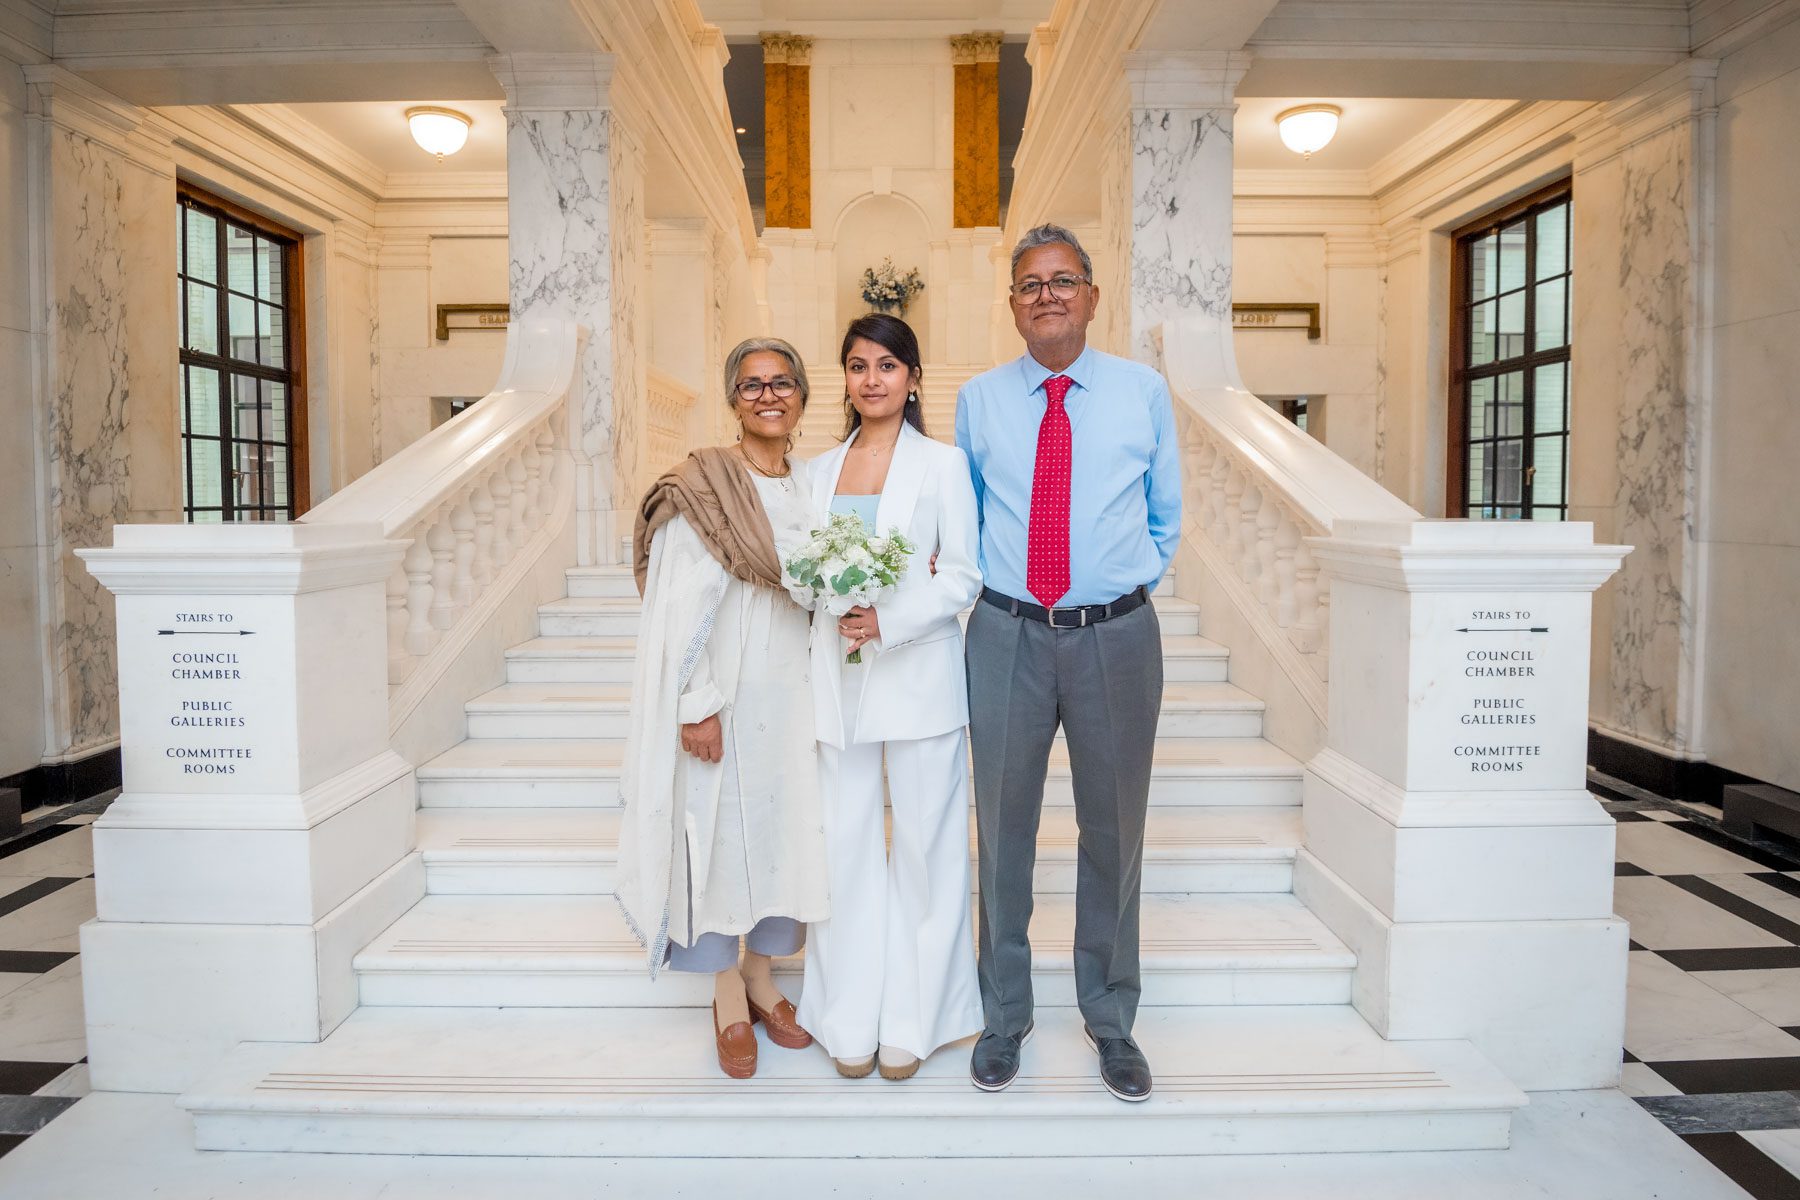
508 1012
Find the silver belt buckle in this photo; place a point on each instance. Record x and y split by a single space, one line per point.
1081 609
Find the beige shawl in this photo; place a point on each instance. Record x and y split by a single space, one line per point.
712 488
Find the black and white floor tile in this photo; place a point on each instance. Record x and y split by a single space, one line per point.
1712 1021
1712 1041
46 892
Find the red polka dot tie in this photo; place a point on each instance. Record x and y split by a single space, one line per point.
1047 536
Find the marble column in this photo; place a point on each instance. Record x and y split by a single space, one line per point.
104 333
799 125
776 185
787 131
976 178
1641 381
575 204
1179 137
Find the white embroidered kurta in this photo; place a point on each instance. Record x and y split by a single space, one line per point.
743 838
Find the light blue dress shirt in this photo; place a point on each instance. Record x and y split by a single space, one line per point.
1125 481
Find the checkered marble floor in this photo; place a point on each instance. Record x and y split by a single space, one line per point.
1712 1020
1712 1043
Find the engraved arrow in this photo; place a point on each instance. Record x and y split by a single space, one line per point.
1523 629
205 632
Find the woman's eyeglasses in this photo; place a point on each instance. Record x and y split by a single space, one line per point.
1063 287
752 389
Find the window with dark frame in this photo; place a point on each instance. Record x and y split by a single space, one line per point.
1509 410
1292 408
242 415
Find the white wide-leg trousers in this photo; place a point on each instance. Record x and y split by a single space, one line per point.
895 963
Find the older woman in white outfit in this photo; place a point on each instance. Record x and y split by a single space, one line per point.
722 840
890 976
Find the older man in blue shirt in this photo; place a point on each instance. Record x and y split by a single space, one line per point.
1077 471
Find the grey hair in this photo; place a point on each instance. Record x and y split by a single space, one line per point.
1051 235
763 345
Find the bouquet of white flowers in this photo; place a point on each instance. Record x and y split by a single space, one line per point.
885 288
842 567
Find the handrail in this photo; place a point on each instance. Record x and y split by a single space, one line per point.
534 379
1256 487
477 499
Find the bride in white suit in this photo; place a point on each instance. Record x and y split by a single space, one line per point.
890 977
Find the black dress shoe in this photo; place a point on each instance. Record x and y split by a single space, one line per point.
1123 1068
995 1063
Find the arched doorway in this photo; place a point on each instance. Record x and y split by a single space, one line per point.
873 228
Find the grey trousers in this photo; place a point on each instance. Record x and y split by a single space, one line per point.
715 952
1103 686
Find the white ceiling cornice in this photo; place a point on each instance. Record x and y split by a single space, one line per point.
1467 121
1720 27
300 137
26 31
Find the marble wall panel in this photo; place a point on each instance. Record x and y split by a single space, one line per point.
1751 650
1655 442
1756 238
15 230
90 405
560 206
630 331
1752 691
1181 218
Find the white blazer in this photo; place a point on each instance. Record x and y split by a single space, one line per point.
916 685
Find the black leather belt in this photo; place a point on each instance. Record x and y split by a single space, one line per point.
1076 617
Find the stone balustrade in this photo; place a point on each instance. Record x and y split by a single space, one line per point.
669 404
475 500
1257 490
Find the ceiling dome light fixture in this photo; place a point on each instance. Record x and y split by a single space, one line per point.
438 131
1308 129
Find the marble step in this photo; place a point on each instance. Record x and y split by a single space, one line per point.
610 660
645 1083
613 582
576 951
584 773
598 616
603 710
563 851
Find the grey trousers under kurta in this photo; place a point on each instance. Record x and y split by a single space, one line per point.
1103 686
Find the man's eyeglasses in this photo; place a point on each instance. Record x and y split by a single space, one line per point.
752 389
1063 287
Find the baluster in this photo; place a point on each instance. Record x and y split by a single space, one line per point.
1217 500
1197 482
1268 519
1246 531
462 527
500 488
1323 657
1287 544
520 530
420 636
534 485
481 506
546 448
1306 599
398 662
1228 516
442 543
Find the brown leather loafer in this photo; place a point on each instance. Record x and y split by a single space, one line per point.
737 1047
783 1024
